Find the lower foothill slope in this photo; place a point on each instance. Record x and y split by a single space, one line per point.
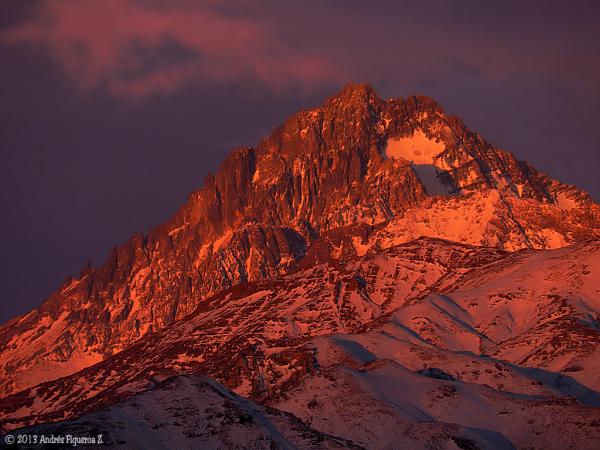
185 412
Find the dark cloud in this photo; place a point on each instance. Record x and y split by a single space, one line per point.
137 48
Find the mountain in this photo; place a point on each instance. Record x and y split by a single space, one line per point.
364 241
356 159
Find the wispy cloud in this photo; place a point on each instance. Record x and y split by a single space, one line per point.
136 48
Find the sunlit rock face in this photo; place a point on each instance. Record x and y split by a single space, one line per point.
391 171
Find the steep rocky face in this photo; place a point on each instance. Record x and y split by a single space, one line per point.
356 159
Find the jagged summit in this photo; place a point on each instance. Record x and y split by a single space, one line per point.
369 171
359 95
360 156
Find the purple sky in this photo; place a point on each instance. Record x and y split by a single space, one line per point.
112 111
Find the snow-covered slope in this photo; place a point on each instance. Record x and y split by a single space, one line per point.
383 405
481 320
533 309
492 219
187 412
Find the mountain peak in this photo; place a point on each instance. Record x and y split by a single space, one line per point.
362 91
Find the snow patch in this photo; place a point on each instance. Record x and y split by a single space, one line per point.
520 190
361 249
223 240
565 202
172 232
417 148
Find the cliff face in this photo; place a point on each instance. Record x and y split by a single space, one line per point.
355 160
